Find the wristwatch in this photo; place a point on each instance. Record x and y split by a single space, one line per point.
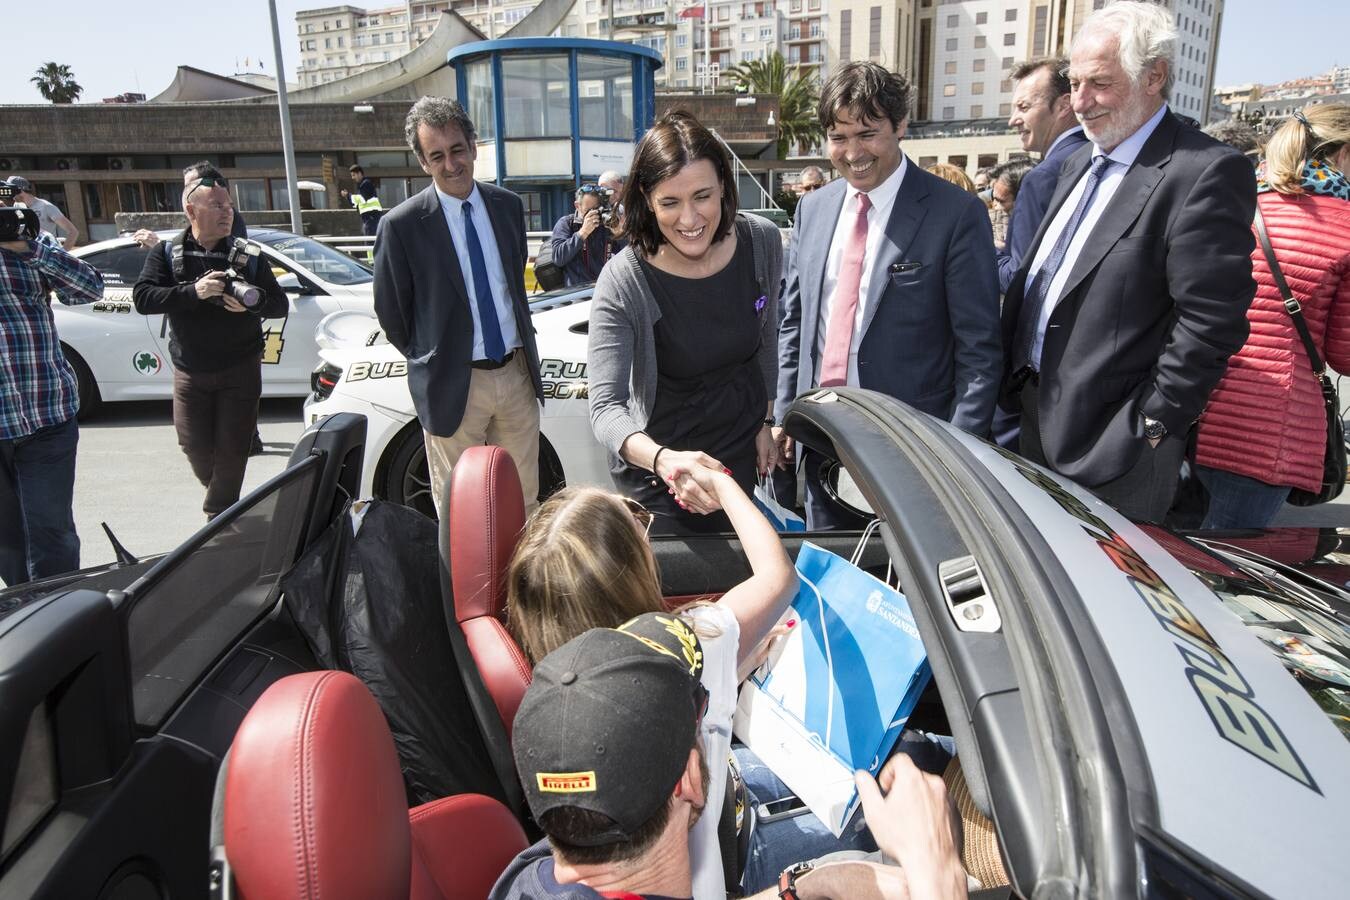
787 882
1154 430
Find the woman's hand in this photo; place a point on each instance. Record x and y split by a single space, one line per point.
766 451
760 655
688 474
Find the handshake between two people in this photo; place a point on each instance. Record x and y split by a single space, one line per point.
699 482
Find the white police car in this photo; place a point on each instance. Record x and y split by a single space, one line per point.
119 354
360 372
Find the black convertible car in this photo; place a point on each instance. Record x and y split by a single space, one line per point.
1138 713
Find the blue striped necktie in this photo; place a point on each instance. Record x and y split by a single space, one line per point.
1036 296
493 345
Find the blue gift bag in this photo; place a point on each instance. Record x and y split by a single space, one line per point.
783 519
837 691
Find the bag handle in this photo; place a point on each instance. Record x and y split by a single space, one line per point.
1291 303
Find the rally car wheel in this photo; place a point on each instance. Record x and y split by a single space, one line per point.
90 400
407 479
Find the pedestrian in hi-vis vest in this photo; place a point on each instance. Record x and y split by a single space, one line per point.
366 201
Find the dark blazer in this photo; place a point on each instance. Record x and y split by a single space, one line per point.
423 305
930 334
1153 307
1033 199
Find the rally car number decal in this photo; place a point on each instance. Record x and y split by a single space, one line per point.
1224 692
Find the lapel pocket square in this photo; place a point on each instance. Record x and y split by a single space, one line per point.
902 267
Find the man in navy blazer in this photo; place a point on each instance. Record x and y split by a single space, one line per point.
890 277
450 295
1042 113
1135 290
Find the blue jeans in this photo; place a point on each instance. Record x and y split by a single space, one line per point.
37 487
1236 501
776 845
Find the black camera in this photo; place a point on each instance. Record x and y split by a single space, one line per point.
608 215
241 253
17 223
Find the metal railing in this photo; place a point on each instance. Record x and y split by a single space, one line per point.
359 246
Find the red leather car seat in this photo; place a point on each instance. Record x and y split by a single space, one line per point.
315 807
485 513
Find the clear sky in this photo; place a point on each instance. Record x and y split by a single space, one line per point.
114 47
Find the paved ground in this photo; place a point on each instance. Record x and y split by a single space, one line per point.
131 474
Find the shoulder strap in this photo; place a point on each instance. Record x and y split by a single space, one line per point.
1291 303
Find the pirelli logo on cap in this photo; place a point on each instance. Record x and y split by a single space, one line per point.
566 782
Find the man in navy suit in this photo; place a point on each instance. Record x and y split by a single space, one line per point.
450 295
1043 116
1135 290
891 283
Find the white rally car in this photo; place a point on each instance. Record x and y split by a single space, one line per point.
360 372
119 354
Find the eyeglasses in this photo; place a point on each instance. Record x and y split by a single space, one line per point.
209 181
642 514
808 188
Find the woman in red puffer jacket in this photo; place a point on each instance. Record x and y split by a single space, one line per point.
1264 430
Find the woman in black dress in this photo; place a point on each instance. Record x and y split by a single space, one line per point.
683 349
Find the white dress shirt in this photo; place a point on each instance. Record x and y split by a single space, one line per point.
1077 129
1121 159
453 209
882 198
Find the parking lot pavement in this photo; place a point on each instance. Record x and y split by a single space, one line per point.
131 474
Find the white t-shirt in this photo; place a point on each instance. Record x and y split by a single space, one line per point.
719 679
47 213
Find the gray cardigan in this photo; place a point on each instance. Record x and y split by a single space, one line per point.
621 354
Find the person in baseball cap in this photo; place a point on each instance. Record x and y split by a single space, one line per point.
50 217
606 744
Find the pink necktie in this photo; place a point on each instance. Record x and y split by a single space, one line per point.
839 334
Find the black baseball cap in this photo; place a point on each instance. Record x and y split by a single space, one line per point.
608 722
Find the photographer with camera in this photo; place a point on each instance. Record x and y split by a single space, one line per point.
38 398
584 241
215 288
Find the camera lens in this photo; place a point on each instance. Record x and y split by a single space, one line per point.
247 295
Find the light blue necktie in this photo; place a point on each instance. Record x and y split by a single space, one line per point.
1035 297
493 345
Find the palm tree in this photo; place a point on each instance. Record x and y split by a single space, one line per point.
797 92
57 83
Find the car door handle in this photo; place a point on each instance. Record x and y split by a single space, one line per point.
582 327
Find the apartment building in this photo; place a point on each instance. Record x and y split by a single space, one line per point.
965 49
338 41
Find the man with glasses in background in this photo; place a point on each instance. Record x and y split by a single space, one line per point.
215 342
812 178
584 241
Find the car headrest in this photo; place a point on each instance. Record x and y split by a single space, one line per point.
314 800
485 510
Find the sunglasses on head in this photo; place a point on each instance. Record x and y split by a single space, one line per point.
209 181
642 514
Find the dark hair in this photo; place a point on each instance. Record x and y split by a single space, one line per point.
1235 133
435 112
675 141
571 832
203 169
356 168
1057 66
1012 172
865 90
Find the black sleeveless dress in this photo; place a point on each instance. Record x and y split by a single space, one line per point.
710 392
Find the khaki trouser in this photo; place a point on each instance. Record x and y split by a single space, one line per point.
502 410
